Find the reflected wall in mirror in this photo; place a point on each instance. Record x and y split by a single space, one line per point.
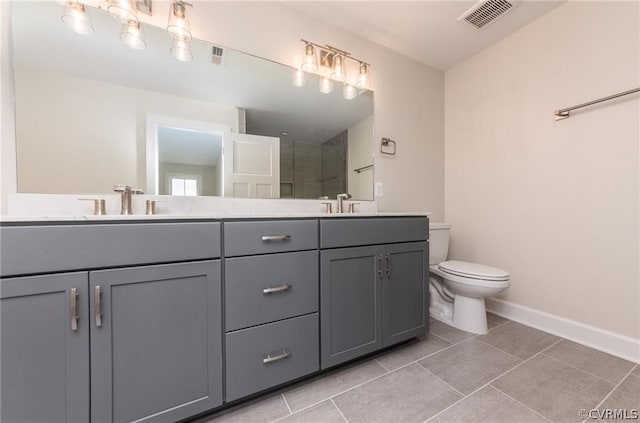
91 112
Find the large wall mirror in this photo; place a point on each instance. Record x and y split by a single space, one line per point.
92 112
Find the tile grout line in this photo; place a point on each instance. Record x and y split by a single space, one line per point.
497 326
338 408
584 371
344 391
522 404
381 365
330 397
501 350
444 381
286 403
614 388
491 381
423 357
441 338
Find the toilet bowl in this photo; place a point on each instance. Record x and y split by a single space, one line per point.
458 288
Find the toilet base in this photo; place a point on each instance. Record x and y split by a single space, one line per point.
470 314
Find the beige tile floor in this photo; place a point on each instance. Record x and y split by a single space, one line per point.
513 374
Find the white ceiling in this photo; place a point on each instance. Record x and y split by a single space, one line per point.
426 31
262 87
188 147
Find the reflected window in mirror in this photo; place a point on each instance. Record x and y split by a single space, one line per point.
184 185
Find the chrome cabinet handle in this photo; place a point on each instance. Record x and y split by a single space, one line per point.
271 358
97 299
379 266
276 289
388 259
74 309
270 238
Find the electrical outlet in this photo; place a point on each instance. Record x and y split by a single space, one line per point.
378 189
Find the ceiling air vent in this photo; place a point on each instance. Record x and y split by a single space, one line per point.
484 12
217 55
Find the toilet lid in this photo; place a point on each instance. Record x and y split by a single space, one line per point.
473 270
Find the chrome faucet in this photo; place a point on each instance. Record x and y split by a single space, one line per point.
125 198
341 198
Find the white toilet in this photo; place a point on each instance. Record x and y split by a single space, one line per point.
457 288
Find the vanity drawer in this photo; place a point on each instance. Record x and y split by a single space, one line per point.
262 289
269 236
271 354
335 233
52 248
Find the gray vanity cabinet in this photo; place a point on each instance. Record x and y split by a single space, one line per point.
45 349
351 303
271 303
371 296
105 333
156 341
404 291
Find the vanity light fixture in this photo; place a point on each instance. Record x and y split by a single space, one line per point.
77 19
336 63
310 63
298 78
178 25
338 70
123 10
349 92
326 85
181 51
363 76
133 36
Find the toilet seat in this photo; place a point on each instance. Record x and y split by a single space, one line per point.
473 271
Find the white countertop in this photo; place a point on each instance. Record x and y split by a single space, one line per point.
67 208
196 216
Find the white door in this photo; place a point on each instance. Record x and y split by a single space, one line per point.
251 166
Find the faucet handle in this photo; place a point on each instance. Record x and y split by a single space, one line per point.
121 188
99 205
328 206
352 207
151 206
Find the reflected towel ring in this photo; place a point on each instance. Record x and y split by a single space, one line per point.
391 146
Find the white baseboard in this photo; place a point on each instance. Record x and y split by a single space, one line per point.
590 336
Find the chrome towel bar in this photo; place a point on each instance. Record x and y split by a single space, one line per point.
564 113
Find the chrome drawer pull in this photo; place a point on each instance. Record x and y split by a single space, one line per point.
74 309
97 301
271 358
379 268
275 289
270 238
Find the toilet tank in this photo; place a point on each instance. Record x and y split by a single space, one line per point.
438 242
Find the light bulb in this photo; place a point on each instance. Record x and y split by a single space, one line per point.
178 25
123 10
349 92
298 78
77 19
133 36
338 71
363 76
326 85
310 63
181 51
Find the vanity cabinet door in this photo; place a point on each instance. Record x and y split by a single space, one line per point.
45 350
351 303
156 342
405 291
